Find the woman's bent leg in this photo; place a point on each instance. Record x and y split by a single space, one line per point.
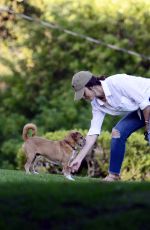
124 128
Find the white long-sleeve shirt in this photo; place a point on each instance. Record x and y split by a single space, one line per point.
124 93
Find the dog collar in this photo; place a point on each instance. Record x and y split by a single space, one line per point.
70 145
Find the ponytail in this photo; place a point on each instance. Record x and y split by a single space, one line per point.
95 81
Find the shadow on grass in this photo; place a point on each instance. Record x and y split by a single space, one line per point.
52 202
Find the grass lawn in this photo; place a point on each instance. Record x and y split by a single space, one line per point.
52 202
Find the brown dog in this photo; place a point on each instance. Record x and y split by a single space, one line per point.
58 152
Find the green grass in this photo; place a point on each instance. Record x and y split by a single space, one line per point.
52 202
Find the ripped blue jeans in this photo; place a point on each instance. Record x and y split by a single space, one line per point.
124 128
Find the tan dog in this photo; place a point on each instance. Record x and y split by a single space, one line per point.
58 152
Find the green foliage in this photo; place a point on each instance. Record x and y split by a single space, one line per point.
137 159
20 158
8 153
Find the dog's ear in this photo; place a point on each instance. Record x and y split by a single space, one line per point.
74 135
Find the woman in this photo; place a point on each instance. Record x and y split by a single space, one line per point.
115 95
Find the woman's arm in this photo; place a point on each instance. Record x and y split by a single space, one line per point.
75 164
94 131
146 113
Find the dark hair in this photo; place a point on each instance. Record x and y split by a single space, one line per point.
95 81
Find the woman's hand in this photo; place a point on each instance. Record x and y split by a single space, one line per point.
147 136
75 164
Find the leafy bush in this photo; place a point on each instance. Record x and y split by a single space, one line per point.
8 150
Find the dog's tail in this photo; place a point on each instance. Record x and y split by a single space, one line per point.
26 130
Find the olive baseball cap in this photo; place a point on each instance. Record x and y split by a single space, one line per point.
79 81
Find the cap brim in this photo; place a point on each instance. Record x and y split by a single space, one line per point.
79 94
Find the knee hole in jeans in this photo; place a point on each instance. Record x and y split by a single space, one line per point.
115 133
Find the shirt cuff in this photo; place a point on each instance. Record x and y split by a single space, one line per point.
144 104
93 132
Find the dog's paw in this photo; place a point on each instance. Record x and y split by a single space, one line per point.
35 172
28 173
69 177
